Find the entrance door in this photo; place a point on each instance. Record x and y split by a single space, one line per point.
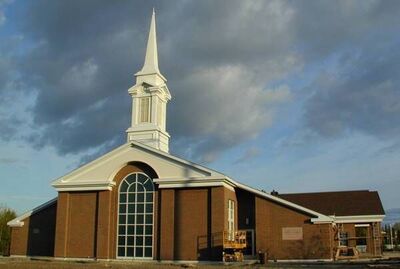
135 217
249 251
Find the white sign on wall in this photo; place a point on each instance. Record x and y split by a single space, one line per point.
292 233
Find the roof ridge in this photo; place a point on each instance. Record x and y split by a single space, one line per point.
319 192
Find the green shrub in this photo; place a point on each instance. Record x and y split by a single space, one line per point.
6 214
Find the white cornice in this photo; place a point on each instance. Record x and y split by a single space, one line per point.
73 177
173 183
358 218
78 179
84 186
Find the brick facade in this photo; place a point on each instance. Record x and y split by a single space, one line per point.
271 218
373 247
36 236
188 225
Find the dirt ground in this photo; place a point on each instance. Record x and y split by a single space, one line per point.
9 263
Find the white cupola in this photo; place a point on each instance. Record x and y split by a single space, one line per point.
150 96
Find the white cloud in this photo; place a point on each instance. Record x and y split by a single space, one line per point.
227 104
80 77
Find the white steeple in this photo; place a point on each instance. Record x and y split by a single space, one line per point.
150 95
150 65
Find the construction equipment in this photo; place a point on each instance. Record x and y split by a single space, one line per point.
345 253
233 244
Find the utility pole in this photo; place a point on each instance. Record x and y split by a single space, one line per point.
391 236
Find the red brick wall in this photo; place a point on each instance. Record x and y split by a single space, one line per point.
191 231
76 225
105 211
192 223
82 225
60 246
218 220
19 239
36 237
167 225
87 221
272 217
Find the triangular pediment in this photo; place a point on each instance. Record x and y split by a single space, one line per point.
99 174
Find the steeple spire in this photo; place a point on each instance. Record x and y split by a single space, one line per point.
150 66
150 96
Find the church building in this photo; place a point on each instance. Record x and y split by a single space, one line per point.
138 202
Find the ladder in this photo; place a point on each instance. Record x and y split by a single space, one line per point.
376 234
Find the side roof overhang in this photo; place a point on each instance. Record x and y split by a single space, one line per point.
358 218
19 221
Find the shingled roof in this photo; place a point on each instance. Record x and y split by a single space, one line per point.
340 203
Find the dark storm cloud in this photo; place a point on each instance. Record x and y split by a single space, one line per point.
364 96
222 60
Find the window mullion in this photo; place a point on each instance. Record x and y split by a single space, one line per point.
135 217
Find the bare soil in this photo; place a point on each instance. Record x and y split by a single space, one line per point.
13 263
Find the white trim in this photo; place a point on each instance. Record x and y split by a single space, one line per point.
177 159
195 182
144 213
74 259
358 218
231 219
18 221
88 166
362 225
84 186
73 181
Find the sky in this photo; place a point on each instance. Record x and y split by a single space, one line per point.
293 96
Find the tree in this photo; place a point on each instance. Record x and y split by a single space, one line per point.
6 214
396 228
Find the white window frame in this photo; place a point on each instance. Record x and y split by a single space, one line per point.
231 220
127 214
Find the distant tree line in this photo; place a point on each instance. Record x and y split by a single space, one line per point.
6 214
392 235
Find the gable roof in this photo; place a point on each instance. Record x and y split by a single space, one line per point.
99 173
339 203
172 171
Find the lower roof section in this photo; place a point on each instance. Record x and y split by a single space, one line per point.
339 203
18 221
172 183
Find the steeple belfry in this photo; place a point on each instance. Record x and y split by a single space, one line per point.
150 96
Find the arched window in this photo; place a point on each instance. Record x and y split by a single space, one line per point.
135 217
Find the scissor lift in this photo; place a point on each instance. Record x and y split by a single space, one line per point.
233 245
